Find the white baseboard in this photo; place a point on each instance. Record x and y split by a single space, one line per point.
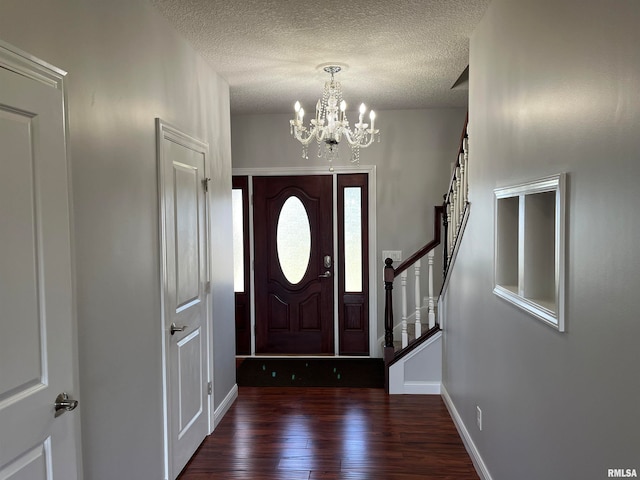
473 452
422 388
222 409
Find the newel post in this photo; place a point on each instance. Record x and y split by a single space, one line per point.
388 303
389 274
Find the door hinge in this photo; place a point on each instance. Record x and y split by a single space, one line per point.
205 184
209 388
207 287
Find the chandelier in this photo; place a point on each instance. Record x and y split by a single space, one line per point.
330 124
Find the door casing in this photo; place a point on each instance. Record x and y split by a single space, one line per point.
375 349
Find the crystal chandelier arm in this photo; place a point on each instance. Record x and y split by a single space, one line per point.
360 136
320 132
299 130
348 135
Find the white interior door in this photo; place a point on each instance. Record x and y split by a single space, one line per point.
185 273
37 351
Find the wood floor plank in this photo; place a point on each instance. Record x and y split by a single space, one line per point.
332 433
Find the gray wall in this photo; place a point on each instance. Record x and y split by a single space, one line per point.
413 168
127 66
554 87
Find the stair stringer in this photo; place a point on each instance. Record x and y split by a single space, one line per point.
419 372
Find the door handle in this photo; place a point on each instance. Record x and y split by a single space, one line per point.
326 274
64 403
174 328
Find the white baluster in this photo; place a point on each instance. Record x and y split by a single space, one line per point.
460 204
454 215
465 147
432 313
403 286
449 228
418 324
463 173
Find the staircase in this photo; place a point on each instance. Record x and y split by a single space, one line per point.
414 361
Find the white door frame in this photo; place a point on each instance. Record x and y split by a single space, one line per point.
370 170
162 130
27 65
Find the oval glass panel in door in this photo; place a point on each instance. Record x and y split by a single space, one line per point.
293 240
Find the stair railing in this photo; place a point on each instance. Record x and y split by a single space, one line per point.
456 200
452 216
391 273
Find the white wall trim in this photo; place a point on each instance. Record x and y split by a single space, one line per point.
312 170
375 348
25 64
224 406
471 448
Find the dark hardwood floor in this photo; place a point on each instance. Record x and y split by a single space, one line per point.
332 433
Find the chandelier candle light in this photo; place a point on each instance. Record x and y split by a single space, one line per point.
330 124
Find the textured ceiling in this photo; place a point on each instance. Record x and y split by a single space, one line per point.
399 54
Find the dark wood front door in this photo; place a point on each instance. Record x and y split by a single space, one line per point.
293 232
